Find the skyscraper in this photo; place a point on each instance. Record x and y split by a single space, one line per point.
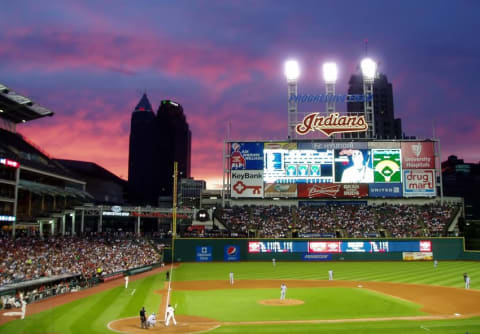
156 141
174 140
386 125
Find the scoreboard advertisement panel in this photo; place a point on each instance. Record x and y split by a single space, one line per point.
419 182
387 165
332 190
418 155
331 247
331 169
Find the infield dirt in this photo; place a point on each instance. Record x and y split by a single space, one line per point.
439 302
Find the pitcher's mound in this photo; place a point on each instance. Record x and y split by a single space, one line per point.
278 302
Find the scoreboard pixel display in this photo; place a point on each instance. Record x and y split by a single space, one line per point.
331 247
334 169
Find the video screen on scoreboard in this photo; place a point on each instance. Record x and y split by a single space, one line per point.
298 166
387 165
373 246
353 166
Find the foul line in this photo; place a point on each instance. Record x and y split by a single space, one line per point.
133 292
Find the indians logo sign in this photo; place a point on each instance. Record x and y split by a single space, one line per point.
331 124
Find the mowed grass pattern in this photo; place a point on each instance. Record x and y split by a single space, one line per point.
446 274
92 314
319 303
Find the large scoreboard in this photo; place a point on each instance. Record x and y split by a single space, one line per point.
326 169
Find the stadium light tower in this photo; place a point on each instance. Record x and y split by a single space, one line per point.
369 72
330 73
292 72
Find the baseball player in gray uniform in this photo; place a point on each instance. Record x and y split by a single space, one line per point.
231 278
24 309
283 291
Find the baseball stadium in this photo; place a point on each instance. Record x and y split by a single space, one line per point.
348 233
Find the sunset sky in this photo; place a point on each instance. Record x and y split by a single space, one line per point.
91 61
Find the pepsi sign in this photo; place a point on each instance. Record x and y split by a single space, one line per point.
231 253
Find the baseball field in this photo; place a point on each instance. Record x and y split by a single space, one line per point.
364 297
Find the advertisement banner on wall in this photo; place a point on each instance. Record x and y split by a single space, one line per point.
385 190
246 156
203 253
418 155
324 247
419 183
316 257
417 256
387 165
332 190
248 183
231 253
280 190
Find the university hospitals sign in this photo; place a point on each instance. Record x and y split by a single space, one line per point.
331 124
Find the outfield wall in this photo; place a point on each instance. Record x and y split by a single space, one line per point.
205 250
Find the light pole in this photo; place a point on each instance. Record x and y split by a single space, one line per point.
369 71
330 73
292 72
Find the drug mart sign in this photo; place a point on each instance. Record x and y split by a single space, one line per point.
419 183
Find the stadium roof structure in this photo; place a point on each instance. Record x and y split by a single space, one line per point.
15 147
19 109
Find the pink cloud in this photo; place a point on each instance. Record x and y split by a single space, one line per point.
56 52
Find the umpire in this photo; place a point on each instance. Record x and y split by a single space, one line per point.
143 318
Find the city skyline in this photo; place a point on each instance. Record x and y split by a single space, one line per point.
91 62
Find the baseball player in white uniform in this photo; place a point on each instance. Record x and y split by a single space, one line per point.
283 291
170 315
24 309
231 278
273 262
467 282
126 282
435 263
330 275
151 320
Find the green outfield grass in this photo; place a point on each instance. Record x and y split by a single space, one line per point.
319 303
446 274
92 314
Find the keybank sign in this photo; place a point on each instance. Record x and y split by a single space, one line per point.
324 98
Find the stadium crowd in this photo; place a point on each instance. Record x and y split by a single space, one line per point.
28 258
352 220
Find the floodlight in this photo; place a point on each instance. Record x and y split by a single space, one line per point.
292 70
330 72
369 68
